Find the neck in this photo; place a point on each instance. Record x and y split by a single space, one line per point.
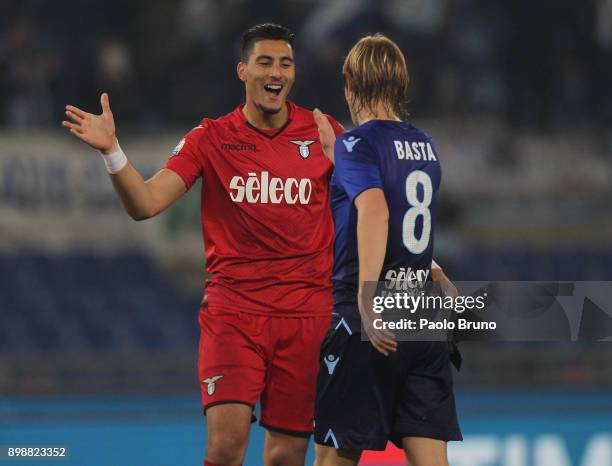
378 112
262 120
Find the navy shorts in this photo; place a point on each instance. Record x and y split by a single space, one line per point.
365 399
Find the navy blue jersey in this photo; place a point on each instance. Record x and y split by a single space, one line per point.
402 161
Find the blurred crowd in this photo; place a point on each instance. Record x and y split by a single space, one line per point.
545 64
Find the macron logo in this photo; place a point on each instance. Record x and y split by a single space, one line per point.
350 142
331 361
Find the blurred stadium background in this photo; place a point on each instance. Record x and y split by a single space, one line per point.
517 95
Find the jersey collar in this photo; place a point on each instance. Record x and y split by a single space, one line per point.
290 107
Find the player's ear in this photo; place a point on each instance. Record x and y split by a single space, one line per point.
241 70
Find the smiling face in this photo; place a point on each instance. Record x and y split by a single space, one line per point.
268 74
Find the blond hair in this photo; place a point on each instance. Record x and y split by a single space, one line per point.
376 71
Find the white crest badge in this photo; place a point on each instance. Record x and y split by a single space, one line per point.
303 147
211 383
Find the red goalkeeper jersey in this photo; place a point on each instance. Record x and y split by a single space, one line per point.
266 222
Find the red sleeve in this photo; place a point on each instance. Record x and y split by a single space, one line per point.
338 128
186 158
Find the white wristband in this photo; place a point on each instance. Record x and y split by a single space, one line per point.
114 161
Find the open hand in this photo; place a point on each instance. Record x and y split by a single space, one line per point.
96 130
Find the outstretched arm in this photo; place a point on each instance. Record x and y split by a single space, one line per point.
141 199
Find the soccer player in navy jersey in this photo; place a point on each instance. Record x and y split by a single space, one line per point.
384 194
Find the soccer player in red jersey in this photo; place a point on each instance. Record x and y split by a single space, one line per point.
268 237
